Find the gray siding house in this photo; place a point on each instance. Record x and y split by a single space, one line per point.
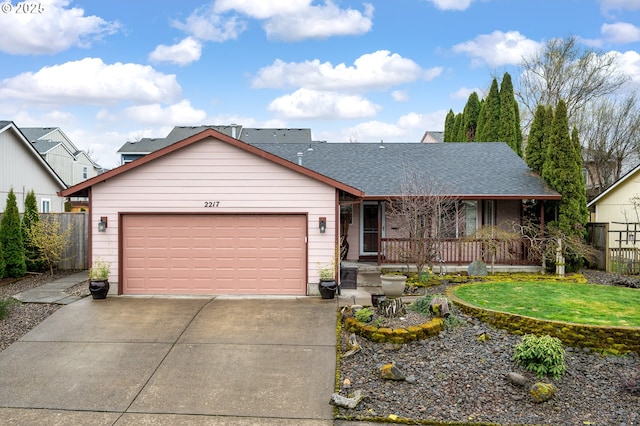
23 169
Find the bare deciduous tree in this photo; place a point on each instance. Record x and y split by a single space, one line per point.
565 70
610 135
424 214
544 244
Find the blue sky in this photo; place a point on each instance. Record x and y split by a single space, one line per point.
108 72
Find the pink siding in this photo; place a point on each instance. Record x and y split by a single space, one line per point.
214 177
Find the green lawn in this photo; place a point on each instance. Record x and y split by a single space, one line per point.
570 302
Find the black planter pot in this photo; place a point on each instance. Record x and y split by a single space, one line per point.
327 289
99 289
376 299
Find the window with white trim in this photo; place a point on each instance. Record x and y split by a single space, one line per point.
45 205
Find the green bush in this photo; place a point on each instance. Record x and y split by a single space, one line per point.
11 239
364 315
421 305
542 355
5 306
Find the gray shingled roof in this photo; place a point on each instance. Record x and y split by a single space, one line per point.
34 133
249 135
465 169
44 146
253 136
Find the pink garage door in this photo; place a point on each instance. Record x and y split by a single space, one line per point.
214 254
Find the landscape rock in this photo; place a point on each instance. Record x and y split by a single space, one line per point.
541 392
344 402
517 379
477 268
391 372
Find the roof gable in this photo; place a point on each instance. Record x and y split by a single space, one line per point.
9 126
81 189
617 184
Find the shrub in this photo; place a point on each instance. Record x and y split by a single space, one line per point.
364 315
11 239
421 305
542 355
33 254
5 306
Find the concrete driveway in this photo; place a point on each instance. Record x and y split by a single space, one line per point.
178 361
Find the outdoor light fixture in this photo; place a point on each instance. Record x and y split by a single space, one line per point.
322 222
102 225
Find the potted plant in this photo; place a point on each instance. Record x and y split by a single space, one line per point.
99 279
393 285
327 284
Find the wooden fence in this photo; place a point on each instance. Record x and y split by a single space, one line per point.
76 254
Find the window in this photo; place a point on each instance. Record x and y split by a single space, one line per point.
85 172
45 205
469 217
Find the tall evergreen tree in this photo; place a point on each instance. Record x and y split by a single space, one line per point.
462 134
489 120
536 150
562 173
31 218
457 124
581 190
11 239
509 122
449 122
471 113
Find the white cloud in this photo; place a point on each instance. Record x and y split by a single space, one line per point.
629 65
464 92
375 70
621 32
91 82
207 25
498 48
54 30
183 53
451 4
306 103
400 95
607 5
181 113
319 22
261 9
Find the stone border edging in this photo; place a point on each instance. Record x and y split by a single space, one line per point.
615 340
412 333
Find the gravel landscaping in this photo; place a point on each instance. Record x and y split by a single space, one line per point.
458 378
24 316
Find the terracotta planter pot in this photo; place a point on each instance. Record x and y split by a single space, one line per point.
393 285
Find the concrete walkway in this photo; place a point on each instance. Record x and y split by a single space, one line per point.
53 292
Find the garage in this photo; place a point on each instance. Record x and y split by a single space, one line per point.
203 254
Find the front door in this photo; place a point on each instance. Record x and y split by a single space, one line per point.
370 220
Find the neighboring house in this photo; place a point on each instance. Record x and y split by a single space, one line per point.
432 137
133 150
211 214
619 207
70 163
23 169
